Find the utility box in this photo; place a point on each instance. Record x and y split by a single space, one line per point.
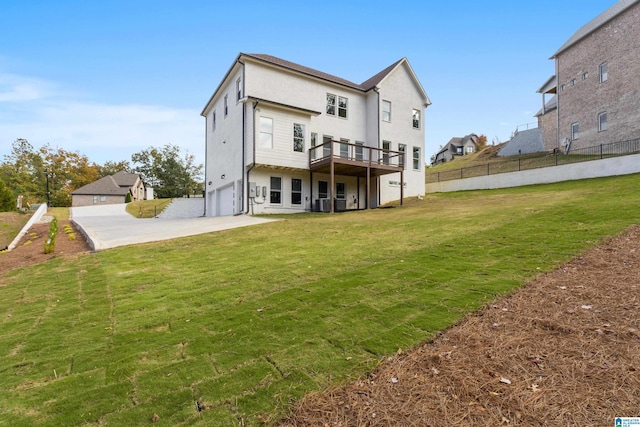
253 190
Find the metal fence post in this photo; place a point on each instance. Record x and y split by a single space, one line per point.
600 151
488 173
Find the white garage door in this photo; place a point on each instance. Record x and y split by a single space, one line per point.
225 201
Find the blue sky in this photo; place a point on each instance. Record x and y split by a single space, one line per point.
110 78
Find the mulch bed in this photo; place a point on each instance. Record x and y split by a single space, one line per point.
563 350
25 254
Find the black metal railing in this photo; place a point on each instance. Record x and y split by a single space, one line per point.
527 162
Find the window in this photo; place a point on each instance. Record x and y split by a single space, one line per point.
416 119
572 82
323 189
386 111
95 199
341 192
275 197
562 88
238 90
296 191
604 72
359 150
331 104
416 158
575 129
266 133
386 146
213 120
226 105
103 199
326 145
342 107
468 149
402 149
344 148
585 75
298 137
602 121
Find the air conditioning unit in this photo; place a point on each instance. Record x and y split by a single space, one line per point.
323 205
340 205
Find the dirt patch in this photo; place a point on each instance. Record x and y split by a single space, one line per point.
563 350
30 249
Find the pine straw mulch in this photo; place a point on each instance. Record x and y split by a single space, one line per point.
30 249
563 350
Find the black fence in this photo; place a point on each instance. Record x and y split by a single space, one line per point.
527 162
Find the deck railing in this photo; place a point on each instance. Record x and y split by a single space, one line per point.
341 150
526 162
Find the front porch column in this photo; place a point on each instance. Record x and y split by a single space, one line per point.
368 188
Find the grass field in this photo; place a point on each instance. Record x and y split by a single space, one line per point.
246 321
10 225
147 208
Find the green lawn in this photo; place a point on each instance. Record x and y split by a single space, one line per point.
246 321
147 208
10 225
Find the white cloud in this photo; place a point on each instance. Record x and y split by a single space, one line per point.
44 114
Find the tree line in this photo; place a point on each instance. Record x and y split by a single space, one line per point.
31 172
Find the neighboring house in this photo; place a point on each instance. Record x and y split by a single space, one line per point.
111 189
456 147
595 93
284 138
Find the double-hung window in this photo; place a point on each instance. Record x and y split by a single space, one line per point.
298 137
331 104
575 130
604 72
359 150
386 146
416 158
402 149
238 89
275 197
342 107
266 133
341 192
323 189
296 191
314 142
386 111
602 121
344 148
416 119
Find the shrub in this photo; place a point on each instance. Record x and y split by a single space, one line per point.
128 198
50 244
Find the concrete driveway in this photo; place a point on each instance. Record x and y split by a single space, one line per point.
110 226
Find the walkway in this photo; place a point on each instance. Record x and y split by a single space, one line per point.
110 226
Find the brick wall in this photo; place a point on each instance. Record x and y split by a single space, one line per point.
617 43
87 200
548 123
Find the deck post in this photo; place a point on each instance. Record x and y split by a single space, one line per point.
401 187
332 171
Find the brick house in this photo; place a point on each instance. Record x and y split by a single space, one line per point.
456 147
595 92
108 190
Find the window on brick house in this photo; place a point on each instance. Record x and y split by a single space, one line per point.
575 130
604 72
602 121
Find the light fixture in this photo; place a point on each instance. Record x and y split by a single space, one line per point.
223 176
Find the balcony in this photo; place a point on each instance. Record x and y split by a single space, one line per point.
346 159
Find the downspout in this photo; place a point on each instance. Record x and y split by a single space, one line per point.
243 140
378 128
557 103
253 163
206 149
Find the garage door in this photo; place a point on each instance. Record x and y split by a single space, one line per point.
225 201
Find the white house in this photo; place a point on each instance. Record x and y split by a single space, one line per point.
284 138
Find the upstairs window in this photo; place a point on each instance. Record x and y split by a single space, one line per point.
213 120
416 119
266 133
402 149
602 121
238 90
298 137
331 104
359 150
342 107
386 111
416 158
575 130
386 146
226 105
604 72
314 142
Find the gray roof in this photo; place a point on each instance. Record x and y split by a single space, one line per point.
105 186
596 23
125 179
523 142
550 86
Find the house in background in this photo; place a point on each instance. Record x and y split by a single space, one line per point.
111 189
595 92
285 138
456 147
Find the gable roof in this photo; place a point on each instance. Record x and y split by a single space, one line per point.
105 186
596 23
125 179
366 86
